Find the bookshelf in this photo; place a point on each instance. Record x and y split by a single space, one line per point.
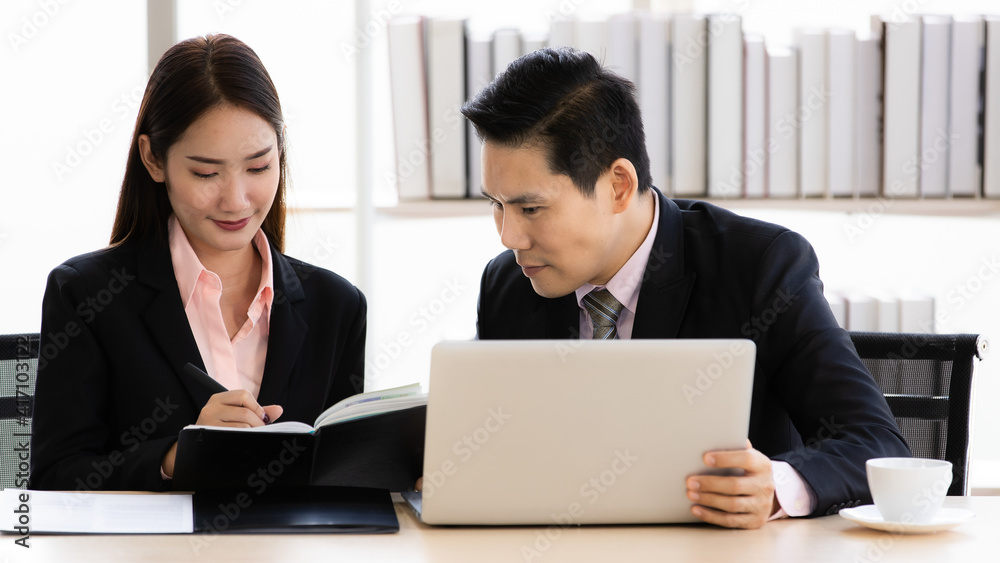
954 207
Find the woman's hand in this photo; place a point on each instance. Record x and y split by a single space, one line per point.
231 408
237 408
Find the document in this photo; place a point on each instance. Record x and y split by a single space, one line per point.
276 509
95 513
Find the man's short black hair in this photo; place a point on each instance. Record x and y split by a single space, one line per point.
562 100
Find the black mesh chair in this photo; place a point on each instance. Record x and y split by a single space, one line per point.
927 381
18 366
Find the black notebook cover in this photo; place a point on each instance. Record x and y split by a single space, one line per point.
384 451
351 510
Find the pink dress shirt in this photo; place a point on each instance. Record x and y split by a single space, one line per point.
236 363
794 494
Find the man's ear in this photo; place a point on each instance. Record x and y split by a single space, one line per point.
152 164
624 183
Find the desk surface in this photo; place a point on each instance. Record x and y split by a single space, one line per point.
830 538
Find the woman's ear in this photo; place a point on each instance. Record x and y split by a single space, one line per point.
152 164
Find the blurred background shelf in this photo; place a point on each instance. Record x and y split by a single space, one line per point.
955 207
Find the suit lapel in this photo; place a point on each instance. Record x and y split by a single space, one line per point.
286 333
165 318
666 287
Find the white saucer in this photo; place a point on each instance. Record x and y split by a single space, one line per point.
946 519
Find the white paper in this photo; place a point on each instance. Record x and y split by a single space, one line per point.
97 513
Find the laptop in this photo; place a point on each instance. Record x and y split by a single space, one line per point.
566 432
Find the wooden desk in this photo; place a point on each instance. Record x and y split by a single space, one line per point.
830 538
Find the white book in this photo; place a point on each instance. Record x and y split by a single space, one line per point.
934 144
725 106
839 307
754 117
592 37
888 312
964 170
478 73
868 114
506 48
623 46
445 95
991 111
916 312
562 32
531 42
841 117
688 78
782 123
407 79
862 312
654 94
901 122
813 101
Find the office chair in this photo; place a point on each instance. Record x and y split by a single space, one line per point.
18 367
927 381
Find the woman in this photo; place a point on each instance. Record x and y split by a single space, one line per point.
194 274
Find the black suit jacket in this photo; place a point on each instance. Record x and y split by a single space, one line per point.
715 274
111 396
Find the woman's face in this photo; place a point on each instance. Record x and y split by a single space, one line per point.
221 177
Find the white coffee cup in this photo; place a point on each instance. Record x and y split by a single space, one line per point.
908 489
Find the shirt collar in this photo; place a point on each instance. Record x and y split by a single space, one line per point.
624 286
189 270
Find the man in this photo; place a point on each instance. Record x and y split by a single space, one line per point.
565 164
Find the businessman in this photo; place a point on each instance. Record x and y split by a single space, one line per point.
595 251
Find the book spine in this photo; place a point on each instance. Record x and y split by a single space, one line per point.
964 172
654 94
688 105
479 72
901 137
446 93
407 78
782 123
916 312
814 105
623 46
725 106
533 42
888 313
868 154
506 48
755 117
842 134
838 305
862 312
991 111
562 32
934 143
592 37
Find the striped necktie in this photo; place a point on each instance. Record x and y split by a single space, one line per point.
603 309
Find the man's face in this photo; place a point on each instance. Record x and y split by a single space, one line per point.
561 238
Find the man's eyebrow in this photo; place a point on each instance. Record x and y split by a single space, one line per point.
207 160
518 200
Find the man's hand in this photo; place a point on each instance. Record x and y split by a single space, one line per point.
745 501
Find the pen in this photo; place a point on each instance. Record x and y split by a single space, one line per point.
208 382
